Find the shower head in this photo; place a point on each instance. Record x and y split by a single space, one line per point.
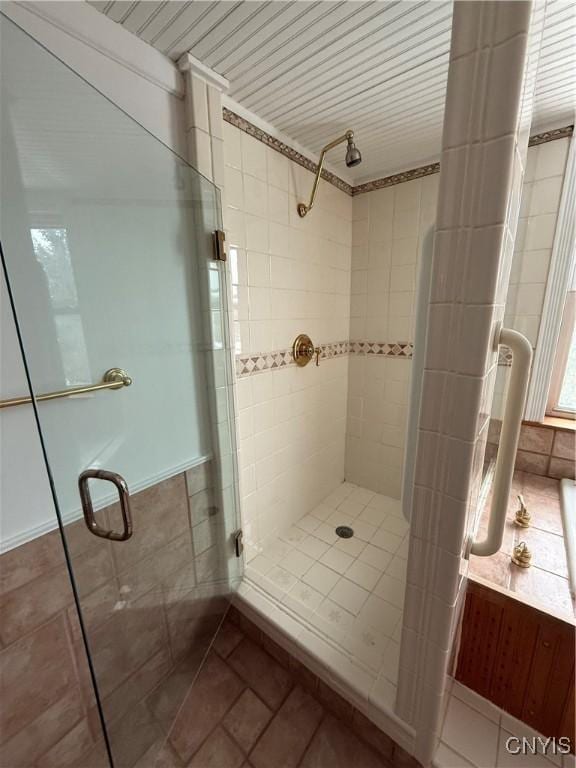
353 156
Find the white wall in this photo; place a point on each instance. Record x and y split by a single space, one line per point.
388 230
289 276
533 247
148 87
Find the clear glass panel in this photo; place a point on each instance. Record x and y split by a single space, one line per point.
107 242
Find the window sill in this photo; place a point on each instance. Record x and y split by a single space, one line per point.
555 422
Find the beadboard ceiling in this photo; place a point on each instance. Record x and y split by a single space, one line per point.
313 69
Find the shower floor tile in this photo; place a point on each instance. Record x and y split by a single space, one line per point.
350 591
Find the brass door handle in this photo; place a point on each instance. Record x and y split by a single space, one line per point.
88 509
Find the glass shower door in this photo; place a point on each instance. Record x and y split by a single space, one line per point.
107 251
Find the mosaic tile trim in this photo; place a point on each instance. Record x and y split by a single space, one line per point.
504 356
370 186
248 365
557 133
385 348
396 178
284 149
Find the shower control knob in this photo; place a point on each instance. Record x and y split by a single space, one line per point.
303 350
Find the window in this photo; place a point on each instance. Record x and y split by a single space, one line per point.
562 396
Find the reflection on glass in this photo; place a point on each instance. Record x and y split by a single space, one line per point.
53 254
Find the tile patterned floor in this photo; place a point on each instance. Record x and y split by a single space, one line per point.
547 579
475 732
350 590
246 710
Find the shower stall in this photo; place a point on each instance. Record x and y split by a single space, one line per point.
136 416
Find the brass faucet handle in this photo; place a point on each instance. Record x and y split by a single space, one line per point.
522 516
318 352
521 555
303 350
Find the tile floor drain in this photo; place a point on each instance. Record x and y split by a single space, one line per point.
344 531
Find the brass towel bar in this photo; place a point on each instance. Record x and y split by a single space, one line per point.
115 378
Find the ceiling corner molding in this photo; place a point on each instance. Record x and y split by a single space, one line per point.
189 63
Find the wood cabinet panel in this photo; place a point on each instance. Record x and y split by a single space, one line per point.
520 658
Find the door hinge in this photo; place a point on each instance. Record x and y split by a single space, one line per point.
238 543
219 248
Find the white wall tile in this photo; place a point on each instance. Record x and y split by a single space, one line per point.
233 185
258 269
253 157
278 170
551 159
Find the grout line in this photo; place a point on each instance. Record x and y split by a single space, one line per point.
219 723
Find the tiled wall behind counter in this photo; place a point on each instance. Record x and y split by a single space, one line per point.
289 276
388 229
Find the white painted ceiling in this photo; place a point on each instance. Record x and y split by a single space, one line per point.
313 69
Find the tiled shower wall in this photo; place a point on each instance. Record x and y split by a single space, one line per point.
150 615
388 228
289 276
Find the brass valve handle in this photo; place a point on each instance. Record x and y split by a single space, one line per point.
521 555
522 516
303 350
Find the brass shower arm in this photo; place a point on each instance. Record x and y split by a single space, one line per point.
302 207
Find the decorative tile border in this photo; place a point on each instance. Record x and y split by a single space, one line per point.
369 186
504 356
284 149
396 178
557 133
249 365
382 348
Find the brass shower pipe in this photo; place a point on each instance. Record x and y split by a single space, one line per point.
353 157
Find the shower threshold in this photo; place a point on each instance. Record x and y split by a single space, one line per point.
336 603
